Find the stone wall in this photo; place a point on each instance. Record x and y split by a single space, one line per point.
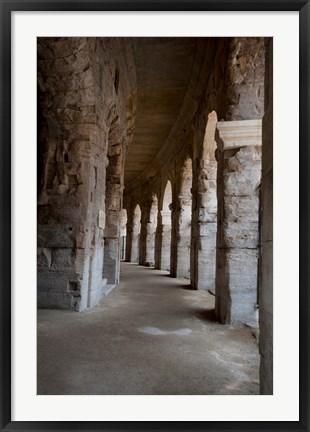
245 79
78 103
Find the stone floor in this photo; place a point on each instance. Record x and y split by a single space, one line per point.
152 335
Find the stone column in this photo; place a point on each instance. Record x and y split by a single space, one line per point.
165 230
183 237
150 245
158 241
129 239
111 268
239 176
135 242
175 235
123 233
145 220
204 217
72 174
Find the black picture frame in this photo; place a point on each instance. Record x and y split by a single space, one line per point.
7 7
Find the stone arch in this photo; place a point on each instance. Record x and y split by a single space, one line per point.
204 218
135 236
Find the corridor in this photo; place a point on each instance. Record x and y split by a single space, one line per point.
152 335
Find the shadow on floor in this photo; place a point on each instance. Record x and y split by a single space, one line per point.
206 315
187 287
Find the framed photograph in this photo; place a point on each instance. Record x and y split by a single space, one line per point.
151 153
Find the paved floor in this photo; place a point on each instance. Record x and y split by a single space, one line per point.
151 335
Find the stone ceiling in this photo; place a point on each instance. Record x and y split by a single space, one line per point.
163 67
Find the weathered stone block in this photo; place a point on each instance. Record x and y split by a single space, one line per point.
208 200
54 235
249 156
97 259
207 215
63 259
52 281
245 184
243 309
241 209
81 240
239 235
111 230
237 270
207 229
206 243
44 257
113 203
101 219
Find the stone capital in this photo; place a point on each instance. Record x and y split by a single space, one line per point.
243 133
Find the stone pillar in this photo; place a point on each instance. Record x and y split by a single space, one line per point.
129 239
175 235
111 267
112 260
204 217
123 232
165 232
266 267
145 220
183 238
158 241
72 143
239 176
135 242
150 245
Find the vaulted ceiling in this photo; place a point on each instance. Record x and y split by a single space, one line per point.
164 67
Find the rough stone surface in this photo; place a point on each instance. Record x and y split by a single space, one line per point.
82 138
239 176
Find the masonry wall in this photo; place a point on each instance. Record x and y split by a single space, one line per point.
77 102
